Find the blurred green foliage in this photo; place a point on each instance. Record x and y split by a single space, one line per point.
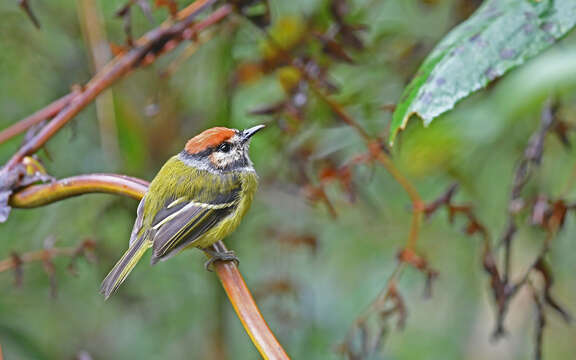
176 310
498 37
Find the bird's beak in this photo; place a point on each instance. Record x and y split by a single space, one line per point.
247 134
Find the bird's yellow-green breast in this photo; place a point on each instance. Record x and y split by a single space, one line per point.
177 180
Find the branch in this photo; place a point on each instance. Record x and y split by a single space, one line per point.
44 114
247 310
40 195
232 280
147 49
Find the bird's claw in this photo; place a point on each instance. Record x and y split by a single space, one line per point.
220 256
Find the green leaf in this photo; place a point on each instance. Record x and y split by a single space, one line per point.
499 36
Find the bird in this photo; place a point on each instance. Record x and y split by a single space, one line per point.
198 197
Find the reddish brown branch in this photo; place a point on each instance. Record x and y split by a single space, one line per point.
243 303
232 280
147 49
39 116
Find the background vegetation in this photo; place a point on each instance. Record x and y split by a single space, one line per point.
319 243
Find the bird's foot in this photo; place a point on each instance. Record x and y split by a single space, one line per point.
219 256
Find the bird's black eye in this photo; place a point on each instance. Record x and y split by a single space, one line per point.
225 147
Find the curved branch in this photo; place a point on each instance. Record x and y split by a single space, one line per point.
230 276
40 195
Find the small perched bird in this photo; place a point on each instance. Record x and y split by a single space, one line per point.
198 198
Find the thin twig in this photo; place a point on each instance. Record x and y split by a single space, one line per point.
531 159
25 6
540 322
378 311
230 276
34 256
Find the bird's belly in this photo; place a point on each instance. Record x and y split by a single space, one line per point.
224 227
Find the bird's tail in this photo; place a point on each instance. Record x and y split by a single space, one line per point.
124 266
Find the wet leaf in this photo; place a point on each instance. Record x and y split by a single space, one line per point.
499 36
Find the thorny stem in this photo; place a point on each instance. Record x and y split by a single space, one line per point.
230 276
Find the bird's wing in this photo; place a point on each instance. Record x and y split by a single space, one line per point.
138 223
182 221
